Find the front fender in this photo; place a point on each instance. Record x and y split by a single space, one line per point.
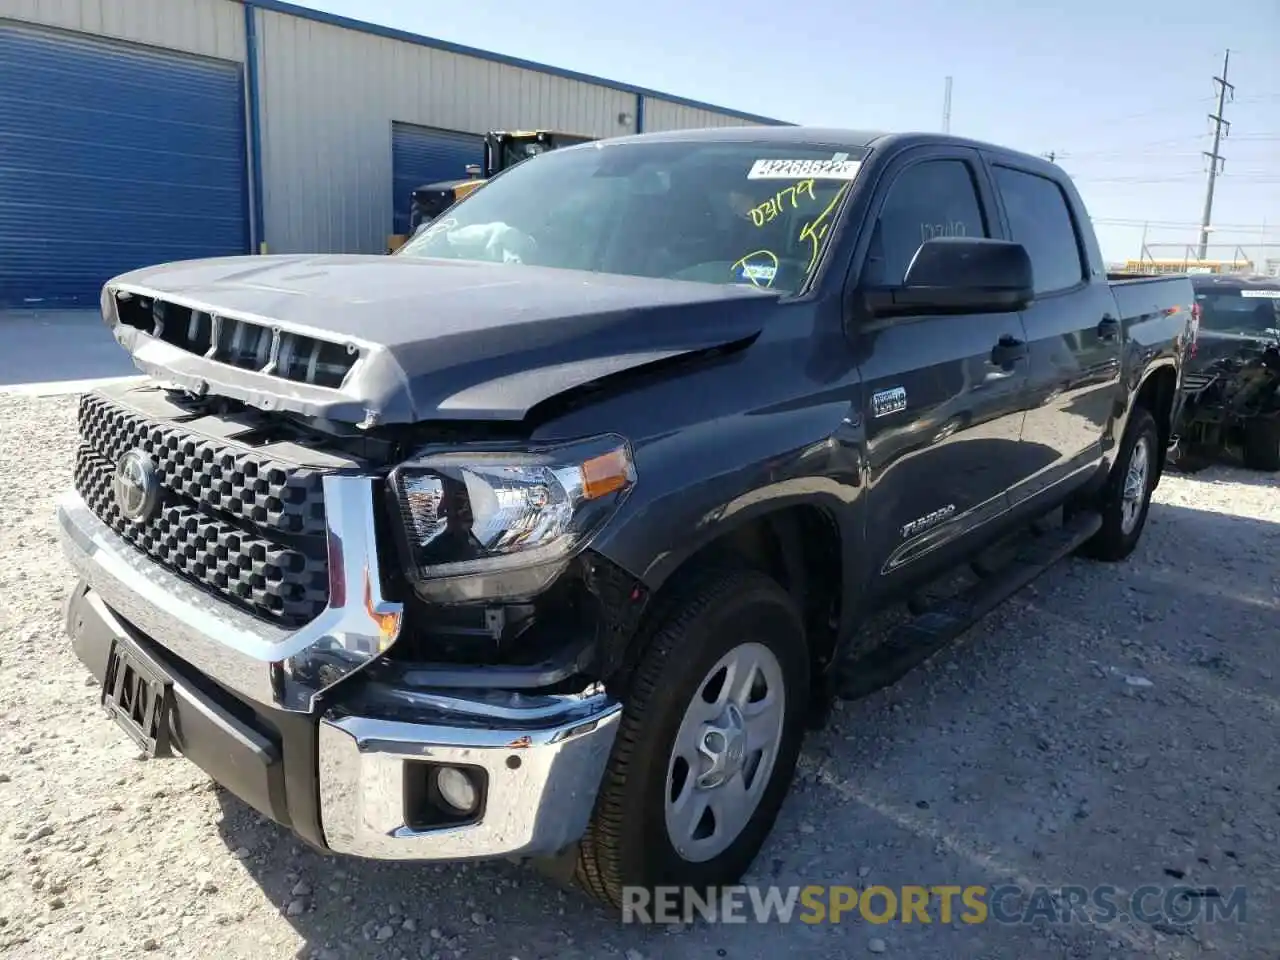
697 485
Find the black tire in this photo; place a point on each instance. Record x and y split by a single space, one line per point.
1262 444
1114 542
627 843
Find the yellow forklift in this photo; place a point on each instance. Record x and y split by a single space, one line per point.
502 149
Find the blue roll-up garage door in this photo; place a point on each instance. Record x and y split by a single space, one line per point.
421 155
112 157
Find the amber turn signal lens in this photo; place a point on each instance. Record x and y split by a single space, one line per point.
606 474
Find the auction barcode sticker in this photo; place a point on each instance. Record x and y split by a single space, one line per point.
1261 294
834 169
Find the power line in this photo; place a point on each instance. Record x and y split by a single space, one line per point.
1174 224
1141 115
1179 178
1129 150
1215 158
1165 112
1152 149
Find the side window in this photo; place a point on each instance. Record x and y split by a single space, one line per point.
1040 220
936 198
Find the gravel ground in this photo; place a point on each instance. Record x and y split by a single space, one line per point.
1109 725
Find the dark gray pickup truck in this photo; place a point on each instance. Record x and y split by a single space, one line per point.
550 535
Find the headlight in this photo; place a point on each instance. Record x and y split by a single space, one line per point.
505 522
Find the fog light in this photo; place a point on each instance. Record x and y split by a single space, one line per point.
456 789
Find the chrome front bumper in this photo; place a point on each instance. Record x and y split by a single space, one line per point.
542 756
541 781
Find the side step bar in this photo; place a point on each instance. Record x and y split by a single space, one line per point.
940 623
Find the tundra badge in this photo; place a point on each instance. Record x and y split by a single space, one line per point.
885 402
932 519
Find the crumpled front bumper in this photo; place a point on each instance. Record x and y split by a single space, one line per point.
352 776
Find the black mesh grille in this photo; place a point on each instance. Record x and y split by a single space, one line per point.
246 527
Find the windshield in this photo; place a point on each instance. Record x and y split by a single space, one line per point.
1255 310
715 212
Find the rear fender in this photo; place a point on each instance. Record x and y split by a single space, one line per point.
1159 390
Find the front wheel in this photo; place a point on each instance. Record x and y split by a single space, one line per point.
1126 498
707 745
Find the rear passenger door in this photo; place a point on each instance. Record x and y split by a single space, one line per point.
942 418
1074 337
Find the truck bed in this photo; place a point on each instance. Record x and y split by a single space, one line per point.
1140 295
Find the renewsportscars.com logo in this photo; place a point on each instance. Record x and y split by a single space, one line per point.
939 903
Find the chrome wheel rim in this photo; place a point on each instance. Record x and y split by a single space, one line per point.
1135 485
724 752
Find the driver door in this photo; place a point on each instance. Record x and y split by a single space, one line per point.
943 396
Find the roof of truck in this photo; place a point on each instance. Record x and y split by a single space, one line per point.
849 138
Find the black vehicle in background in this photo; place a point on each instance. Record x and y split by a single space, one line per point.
1232 383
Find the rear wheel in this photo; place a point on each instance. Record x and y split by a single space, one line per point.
1262 443
707 744
1126 497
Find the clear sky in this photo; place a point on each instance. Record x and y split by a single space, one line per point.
1119 91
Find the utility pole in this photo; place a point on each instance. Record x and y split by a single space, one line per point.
946 107
1050 156
1221 128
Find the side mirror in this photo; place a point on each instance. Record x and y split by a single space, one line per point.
959 275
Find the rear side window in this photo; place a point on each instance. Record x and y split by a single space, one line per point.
935 198
1040 220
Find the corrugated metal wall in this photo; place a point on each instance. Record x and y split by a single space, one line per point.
212 28
113 156
329 95
665 115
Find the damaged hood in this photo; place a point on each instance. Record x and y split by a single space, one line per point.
416 339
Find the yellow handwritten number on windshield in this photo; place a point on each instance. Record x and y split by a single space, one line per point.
771 208
815 231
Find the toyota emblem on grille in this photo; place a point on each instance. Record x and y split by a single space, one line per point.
136 486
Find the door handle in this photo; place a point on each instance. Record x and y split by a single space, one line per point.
1109 328
1008 351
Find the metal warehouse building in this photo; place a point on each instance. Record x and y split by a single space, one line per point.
138 131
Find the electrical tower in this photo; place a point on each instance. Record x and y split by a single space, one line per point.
1221 128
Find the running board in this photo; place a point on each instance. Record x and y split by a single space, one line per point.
939 624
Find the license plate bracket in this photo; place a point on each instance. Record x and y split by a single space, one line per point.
138 695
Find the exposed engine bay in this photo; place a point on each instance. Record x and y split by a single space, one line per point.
1233 403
